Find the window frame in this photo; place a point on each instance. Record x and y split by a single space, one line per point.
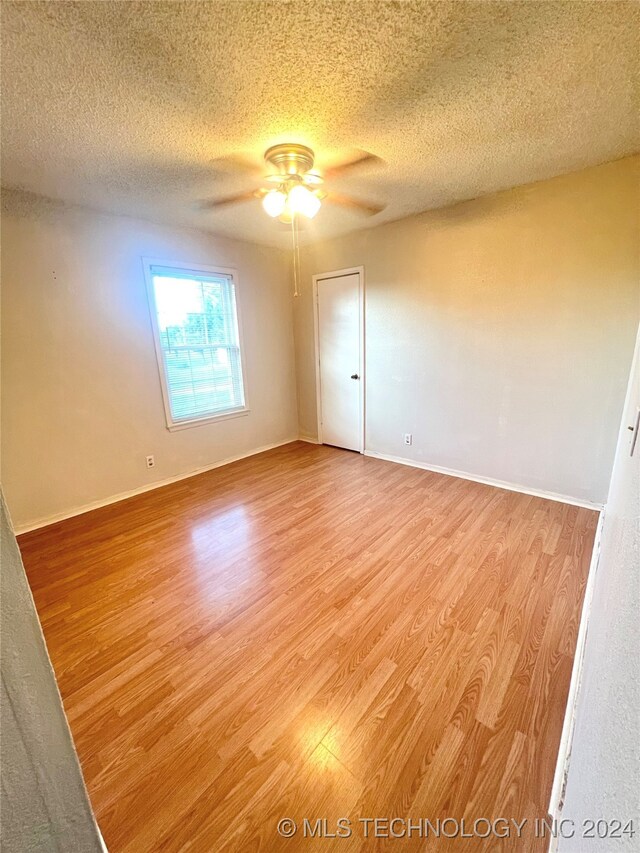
180 266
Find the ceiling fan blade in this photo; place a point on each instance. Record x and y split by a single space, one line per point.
365 159
368 208
235 163
214 203
312 179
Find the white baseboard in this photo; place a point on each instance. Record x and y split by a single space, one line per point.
79 510
487 481
564 752
121 496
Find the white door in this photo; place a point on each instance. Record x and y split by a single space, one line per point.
339 358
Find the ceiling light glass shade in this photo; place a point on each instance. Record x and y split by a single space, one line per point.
274 202
301 200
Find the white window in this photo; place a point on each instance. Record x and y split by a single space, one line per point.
194 314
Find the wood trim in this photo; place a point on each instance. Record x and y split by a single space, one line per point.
195 422
488 481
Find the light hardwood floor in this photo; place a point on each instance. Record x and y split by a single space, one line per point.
313 633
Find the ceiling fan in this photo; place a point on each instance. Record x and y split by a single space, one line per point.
295 187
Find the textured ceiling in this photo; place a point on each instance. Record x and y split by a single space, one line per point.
128 106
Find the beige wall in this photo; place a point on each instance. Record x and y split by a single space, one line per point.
499 331
82 405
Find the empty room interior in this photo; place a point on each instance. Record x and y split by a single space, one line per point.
320 406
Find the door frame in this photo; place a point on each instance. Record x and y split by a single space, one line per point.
316 279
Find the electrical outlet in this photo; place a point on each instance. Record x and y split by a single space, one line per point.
407 438
150 461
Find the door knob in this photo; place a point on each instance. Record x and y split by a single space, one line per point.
355 376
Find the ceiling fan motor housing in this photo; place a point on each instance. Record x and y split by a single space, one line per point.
290 159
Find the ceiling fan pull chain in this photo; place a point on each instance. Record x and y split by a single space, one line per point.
296 253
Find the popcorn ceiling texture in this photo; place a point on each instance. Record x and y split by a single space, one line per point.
128 107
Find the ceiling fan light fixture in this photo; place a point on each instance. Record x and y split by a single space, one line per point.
274 203
302 200
297 191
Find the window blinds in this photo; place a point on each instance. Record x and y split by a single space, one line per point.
197 325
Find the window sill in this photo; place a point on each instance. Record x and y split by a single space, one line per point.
174 426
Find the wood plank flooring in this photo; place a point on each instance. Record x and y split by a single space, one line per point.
310 633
